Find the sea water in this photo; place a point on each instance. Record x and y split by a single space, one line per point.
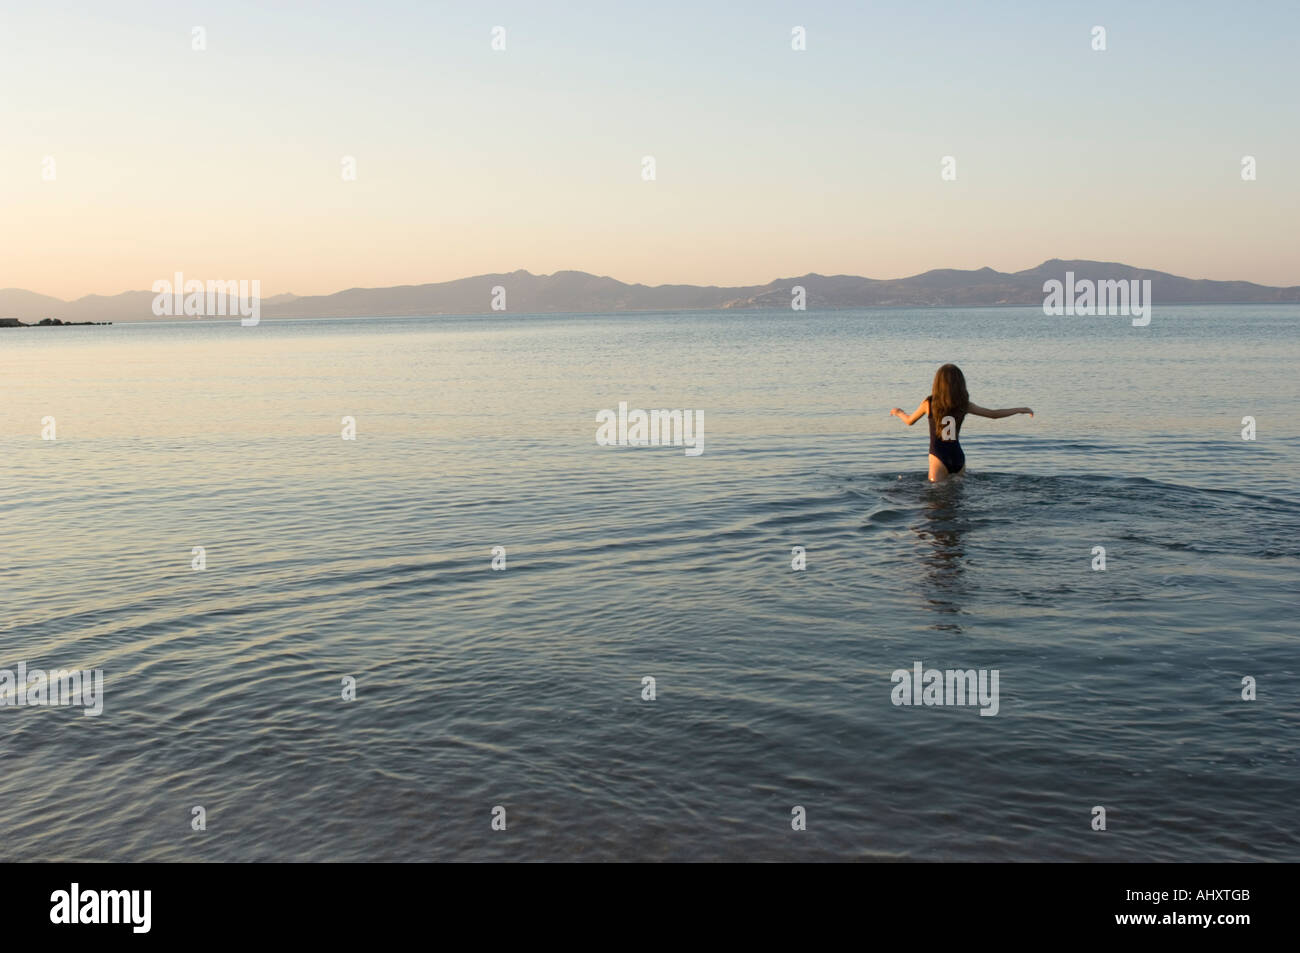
674 655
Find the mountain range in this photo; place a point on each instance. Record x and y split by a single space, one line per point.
580 292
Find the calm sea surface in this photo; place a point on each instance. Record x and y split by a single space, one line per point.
328 558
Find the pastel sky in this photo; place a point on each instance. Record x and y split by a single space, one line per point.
226 163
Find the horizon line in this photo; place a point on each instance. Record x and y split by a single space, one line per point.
635 284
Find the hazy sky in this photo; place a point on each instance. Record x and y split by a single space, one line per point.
226 163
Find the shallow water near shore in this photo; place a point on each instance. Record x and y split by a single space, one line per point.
523 688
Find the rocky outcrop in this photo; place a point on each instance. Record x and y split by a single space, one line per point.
46 323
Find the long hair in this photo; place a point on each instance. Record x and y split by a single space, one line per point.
948 397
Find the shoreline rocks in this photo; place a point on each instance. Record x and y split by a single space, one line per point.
47 323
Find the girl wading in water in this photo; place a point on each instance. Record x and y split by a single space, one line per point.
947 406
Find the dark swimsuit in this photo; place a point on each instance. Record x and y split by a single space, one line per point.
949 452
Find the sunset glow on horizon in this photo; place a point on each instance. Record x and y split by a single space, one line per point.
225 161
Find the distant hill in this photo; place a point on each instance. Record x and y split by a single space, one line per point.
579 292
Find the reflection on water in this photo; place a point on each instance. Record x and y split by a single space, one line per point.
943 526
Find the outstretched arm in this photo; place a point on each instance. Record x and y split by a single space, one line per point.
978 411
909 420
